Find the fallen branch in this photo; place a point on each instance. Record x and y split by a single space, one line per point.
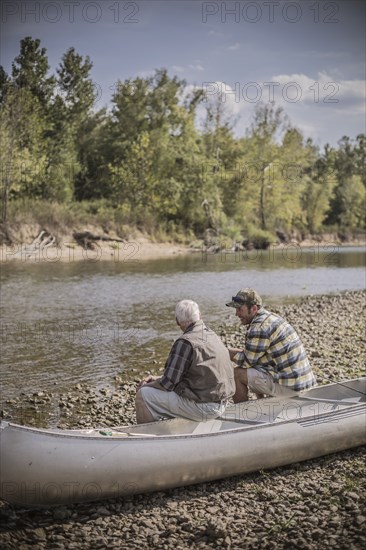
87 240
41 242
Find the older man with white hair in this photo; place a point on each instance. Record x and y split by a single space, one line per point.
198 377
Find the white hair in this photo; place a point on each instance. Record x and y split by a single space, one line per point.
187 312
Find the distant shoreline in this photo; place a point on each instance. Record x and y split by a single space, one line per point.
131 252
142 249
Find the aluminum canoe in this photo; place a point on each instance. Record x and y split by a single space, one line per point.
45 467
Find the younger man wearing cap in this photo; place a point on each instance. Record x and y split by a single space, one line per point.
273 361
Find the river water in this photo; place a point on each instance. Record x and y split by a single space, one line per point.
64 323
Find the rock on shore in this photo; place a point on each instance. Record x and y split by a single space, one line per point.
312 505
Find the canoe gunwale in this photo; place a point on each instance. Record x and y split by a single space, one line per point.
243 425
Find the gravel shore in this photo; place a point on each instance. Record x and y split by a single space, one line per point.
311 505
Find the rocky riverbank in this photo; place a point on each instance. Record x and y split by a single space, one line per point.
313 505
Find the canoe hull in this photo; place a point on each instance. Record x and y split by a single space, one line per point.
45 467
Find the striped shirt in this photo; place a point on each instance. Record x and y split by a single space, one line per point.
273 346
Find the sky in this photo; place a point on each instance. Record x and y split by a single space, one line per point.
307 56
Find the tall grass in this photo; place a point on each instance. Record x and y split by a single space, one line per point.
98 216
26 217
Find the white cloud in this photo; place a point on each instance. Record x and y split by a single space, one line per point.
234 47
178 68
343 95
318 54
224 93
215 33
318 107
196 67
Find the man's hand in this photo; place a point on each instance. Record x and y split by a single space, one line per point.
233 352
149 380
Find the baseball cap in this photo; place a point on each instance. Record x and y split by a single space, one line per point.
247 296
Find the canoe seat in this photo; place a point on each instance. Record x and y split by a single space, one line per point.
207 427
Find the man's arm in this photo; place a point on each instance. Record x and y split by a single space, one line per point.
234 351
177 364
255 347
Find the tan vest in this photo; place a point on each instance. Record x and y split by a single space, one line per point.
210 377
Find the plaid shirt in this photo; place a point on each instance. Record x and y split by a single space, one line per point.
177 364
273 346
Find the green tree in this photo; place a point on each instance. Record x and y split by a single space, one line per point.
22 152
75 87
29 71
152 124
71 116
4 84
190 182
287 211
348 163
93 180
319 184
129 116
133 180
353 196
261 183
222 153
173 137
25 119
360 157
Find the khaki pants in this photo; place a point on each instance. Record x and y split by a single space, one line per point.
263 383
168 404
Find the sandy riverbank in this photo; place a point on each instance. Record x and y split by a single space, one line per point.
129 252
142 249
312 505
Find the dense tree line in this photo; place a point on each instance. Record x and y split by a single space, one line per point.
150 161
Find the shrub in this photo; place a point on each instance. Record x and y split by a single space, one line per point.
259 239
